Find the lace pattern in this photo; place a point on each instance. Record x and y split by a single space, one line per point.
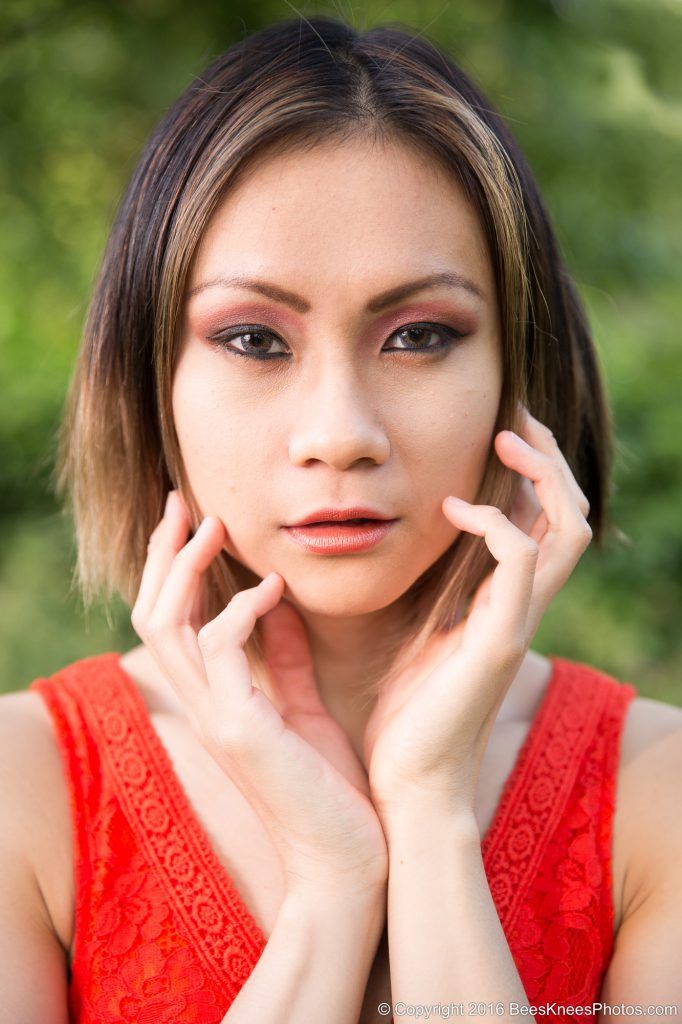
162 933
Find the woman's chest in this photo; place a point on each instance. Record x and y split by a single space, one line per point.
244 849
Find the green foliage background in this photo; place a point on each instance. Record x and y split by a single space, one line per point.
591 89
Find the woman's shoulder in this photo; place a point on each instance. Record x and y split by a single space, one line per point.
647 950
35 799
648 795
647 723
29 752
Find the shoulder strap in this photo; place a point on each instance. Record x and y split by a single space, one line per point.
546 777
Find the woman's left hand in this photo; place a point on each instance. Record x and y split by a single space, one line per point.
428 731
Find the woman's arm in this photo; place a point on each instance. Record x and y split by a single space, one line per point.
646 966
427 735
316 963
33 962
446 943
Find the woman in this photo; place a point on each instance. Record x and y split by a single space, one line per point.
334 782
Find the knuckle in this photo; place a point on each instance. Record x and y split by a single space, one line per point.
155 633
227 737
184 554
239 604
584 534
209 640
155 536
530 549
137 621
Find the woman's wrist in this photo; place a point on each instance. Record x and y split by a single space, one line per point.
417 825
364 907
317 960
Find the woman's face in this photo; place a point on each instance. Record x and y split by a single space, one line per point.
355 405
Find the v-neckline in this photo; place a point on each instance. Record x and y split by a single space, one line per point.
174 791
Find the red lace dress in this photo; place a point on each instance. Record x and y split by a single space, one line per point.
162 934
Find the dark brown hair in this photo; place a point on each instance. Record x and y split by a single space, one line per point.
293 85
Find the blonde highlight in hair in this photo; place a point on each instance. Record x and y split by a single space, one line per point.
295 85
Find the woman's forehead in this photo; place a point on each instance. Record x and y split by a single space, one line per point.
346 211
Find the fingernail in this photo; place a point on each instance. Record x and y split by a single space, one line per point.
170 498
451 500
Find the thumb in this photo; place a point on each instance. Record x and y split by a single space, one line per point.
289 661
296 695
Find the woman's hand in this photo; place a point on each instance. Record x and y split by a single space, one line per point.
292 681
292 762
428 732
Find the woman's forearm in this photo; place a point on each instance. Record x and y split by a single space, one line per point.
446 943
316 962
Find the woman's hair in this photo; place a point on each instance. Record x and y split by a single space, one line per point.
292 86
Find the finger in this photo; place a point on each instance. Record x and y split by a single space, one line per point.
168 630
511 583
553 490
179 590
538 435
287 652
197 615
221 643
164 543
567 535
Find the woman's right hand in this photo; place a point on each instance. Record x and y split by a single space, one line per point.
323 825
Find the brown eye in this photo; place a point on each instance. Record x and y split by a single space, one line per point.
254 342
416 337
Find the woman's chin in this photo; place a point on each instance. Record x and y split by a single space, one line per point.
347 598
344 586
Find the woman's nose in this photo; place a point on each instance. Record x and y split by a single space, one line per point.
337 422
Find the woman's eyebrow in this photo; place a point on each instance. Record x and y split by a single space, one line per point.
375 305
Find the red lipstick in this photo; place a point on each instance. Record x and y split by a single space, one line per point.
338 531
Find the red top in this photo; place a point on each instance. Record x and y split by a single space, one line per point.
161 932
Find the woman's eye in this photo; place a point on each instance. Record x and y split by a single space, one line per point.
255 343
416 337
250 343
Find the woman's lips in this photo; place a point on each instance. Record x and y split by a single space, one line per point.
340 538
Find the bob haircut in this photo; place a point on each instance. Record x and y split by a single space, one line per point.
289 87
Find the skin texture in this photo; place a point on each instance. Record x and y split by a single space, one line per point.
338 419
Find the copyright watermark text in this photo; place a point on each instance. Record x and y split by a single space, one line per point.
445 1011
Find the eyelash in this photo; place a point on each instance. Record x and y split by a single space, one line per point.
449 334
